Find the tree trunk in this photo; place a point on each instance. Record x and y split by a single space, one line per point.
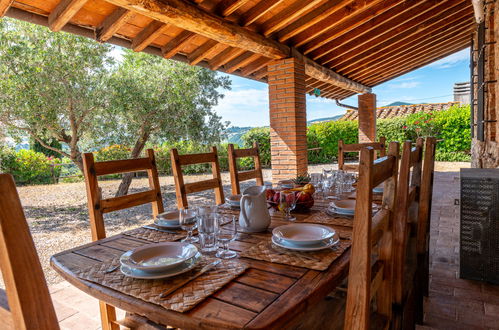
137 150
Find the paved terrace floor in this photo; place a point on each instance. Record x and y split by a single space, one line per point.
453 303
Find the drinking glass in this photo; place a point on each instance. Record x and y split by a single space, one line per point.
207 228
226 234
188 221
287 203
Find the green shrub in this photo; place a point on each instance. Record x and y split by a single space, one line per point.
393 129
262 136
452 156
326 136
454 129
29 167
113 152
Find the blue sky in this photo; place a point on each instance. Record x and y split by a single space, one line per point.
247 103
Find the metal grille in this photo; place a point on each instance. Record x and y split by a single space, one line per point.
479 249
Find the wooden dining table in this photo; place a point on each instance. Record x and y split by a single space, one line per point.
266 295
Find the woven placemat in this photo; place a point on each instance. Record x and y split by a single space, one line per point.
154 236
317 260
327 219
182 299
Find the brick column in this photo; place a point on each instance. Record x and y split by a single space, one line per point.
288 118
367 117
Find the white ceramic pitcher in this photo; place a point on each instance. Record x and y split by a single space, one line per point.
254 216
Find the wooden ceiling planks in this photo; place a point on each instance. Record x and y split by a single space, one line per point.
369 41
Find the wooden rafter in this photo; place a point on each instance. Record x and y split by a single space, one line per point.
63 13
343 23
260 74
432 33
227 7
201 52
191 18
316 16
258 11
241 61
389 22
404 28
148 35
172 48
288 15
225 56
112 24
255 66
4 6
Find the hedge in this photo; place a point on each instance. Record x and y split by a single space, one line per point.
451 126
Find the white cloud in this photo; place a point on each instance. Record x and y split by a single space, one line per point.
247 107
405 84
452 60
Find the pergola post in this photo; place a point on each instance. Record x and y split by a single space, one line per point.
367 117
288 118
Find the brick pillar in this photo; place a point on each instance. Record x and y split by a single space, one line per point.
288 118
367 117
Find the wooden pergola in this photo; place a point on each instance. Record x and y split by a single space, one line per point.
341 48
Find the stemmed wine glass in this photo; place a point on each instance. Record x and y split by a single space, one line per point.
226 234
287 203
188 222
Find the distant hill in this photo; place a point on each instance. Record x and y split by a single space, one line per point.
398 103
324 119
234 134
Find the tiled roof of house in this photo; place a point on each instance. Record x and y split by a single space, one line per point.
401 110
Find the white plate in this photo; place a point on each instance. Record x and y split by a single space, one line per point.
168 219
159 257
333 212
345 205
379 189
185 267
316 247
166 224
303 233
233 200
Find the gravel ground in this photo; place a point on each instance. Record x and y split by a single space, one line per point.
58 216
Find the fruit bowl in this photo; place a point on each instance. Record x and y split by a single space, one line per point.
304 201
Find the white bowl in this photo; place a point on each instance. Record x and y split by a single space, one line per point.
168 219
180 269
313 247
233 200
303 233
159 256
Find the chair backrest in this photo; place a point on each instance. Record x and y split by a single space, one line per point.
182 189
235 176
425 196
97 206
357 147
407 191
370 274
30 305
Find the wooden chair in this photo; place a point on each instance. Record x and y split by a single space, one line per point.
370 273
97 206
356 147
423 226
404 259
235 176
29 304
183 189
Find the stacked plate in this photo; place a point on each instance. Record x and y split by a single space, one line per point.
304 237
168 220
159 260
234 201
344 207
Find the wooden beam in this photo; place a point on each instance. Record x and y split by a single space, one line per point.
63 13
148 35
200 54
4 6
177 43
260 73
317 15
112 24
227 7
190 17
258 11
288 15
326 31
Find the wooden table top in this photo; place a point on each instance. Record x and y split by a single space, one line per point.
267 295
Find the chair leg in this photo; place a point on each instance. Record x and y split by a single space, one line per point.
421 284
108 317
